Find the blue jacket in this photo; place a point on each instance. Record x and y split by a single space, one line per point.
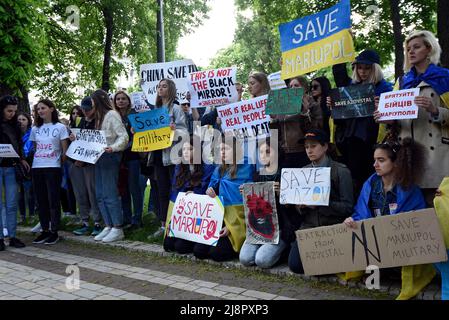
228 189
407 200
208 169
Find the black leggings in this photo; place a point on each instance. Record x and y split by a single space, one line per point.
179 245
222 252
47 187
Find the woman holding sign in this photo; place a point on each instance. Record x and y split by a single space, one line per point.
10 135
355 137
341 196
160 160
267 255
225 182
191 178
431 128
51 142
131 164
107 167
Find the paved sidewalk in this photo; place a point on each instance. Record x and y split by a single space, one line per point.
432 292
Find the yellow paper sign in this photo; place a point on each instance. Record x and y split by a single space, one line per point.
152 140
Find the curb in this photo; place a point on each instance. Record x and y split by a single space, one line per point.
392 288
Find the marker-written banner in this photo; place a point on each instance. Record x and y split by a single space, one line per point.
317 41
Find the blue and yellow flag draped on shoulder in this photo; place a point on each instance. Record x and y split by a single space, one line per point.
436 77
229 190
317 41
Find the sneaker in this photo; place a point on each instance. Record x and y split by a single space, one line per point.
2 245
114 235
102 234
160 232
16 243
96 231
5 232
42 237
52 239
37 228
81 231
127 226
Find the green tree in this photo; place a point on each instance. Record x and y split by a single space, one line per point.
21 41
94 54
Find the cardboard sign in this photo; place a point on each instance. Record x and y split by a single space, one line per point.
261 217
285 101
138 101
88 146
275 81
308 186
398 105
247 119
197 218
355 101
388 241
213 87
7 151
317 41
177 71
152 130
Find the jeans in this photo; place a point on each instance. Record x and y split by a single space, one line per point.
26 197
47 188
8 180
134 192
263 255
83 182
106 181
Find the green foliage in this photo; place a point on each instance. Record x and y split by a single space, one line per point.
21 40
256 40
74 57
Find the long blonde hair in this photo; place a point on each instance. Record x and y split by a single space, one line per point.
429 40
376 75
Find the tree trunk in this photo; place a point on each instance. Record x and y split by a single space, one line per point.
398 38
443 30
109 25
24 103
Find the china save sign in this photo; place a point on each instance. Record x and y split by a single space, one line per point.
196 218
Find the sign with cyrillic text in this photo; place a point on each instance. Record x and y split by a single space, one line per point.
403 239
151 130
213 87
247 119
285 101
307 186
178 71
88 146
7 151
317 41
196 218
397 105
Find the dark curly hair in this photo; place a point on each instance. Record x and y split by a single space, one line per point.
409 158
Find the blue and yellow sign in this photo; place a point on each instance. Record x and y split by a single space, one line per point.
151 130
317 41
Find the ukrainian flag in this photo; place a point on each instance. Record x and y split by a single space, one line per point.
317 41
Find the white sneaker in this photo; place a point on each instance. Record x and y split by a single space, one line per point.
37 228
103 234
5 232
114 235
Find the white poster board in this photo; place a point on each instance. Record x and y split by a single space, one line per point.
7 151
247 119
307 186
397 105
178 71
138 101
196 218
88 146
213 87
275 81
